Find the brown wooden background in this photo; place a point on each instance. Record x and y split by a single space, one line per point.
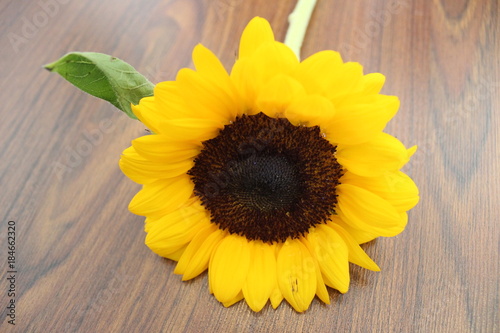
82 264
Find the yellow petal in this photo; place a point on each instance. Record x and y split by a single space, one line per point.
367 211
163 149
170 102
192 204
235 300
276 297
207 99
228 267
359 118
369 84
394 186
312 110
411 151
176 254
257 32
321 290
138 176
356 253
250 75
315 71
212 70
174 231
324 73
372 83
261 279
344 81
271 59
277 94
162 197
191 129
195 259
332 255
208 64
144 171
149 114
359 235
372 159
296 274
241 76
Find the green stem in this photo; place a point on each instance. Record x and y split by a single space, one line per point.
298 21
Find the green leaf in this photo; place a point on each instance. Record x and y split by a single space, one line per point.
105 77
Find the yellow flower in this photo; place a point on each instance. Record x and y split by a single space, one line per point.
271 176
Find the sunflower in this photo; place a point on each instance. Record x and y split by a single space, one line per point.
271 176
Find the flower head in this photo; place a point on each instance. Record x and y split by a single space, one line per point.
270 176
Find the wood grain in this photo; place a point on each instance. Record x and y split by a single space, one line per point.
81 259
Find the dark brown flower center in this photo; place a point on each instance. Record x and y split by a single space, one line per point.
266 179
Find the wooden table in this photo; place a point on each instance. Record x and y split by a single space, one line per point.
80 259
